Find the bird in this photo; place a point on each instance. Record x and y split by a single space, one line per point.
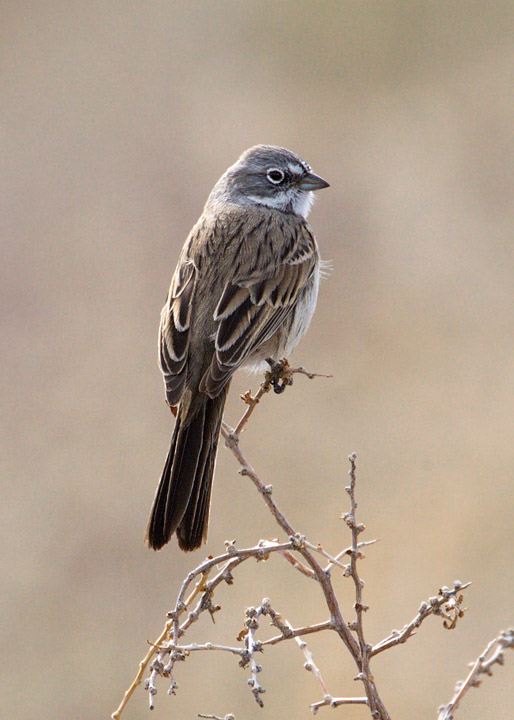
242 295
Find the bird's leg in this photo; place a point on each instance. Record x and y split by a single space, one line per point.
279 374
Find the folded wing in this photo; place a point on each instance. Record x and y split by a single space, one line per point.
259 299
174 331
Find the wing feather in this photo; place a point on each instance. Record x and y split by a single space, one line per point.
174 331
256 303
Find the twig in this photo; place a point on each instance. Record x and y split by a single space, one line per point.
493 654
252 402
319 549
337 701
186 649
311 375
348 551
448 604
375 706
328 699
252 646
231 559
290 558
311 666
286 374
292 632
137 680
144 662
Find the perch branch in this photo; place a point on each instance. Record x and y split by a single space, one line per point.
198 588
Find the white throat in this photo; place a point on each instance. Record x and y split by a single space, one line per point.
303 202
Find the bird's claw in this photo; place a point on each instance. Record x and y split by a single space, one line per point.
279 374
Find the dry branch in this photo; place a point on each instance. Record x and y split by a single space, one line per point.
447 604
196 597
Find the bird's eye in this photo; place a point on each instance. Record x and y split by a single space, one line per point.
275 176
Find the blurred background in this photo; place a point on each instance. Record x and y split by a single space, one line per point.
118 118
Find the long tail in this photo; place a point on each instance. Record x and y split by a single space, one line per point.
183 496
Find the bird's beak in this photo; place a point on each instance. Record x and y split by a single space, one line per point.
312 182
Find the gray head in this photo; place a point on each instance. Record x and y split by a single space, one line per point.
270 176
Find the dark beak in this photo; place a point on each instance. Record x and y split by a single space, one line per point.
312 182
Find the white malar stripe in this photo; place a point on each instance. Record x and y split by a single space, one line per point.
300 201
278 202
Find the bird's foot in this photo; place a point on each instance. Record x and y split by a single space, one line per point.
279 376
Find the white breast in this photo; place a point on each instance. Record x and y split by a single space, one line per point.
303 313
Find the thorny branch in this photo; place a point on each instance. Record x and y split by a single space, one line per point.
198 588
359 606
253 646
447 604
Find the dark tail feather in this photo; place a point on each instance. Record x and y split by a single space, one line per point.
182 499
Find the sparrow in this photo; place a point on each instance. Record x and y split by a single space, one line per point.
244 291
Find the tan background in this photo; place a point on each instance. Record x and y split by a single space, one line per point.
117 120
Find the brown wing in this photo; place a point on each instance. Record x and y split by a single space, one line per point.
260 296
174 330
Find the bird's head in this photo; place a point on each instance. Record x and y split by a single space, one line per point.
271 176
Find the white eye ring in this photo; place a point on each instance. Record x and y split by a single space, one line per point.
275 176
